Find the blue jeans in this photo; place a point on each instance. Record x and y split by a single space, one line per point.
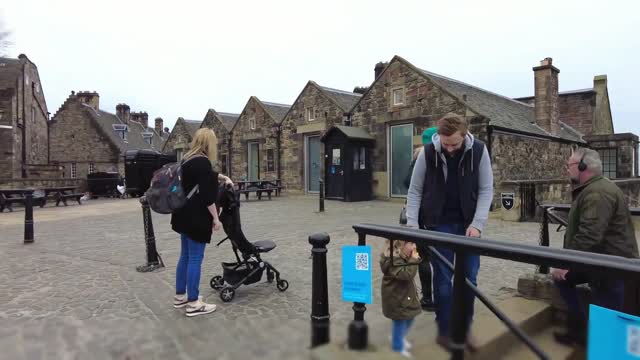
399 330
189 265
442 280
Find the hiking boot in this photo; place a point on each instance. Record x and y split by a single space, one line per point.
199 307
180 301
427 304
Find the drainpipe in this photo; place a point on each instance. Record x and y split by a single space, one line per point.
278 133
229 158
24 124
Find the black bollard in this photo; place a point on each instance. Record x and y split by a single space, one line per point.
321 195
459 309
358 328
28 217
319 290
154 261
544 237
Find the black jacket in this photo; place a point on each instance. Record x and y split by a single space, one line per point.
194 219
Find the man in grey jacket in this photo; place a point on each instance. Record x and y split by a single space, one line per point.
451 191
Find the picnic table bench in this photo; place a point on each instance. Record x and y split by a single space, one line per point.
8 197
259 187
62 194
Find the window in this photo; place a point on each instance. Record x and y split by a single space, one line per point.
121 130
311 114
270 161
359 155
609 159
92 168
147 136
178 154
74 171
223 164
252 123
398 96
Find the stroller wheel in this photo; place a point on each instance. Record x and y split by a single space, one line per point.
227 294
282 285
216 282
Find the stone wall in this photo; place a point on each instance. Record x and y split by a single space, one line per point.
576 110
179 139
631 190
224 136
627 151
295 127
76 138
424 104
23 107
263 134
42 183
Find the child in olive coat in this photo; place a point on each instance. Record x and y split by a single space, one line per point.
400 301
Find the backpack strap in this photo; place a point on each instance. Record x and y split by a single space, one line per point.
195 188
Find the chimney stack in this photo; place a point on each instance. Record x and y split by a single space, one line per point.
142 117
124 112
90 98
158 126
602 123
547 113
379 68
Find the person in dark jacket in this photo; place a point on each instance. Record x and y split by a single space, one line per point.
399 294
599 222
451 191
424 269
196 221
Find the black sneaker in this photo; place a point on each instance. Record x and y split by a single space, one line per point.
427 304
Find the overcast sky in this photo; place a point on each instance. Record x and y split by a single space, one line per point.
176 59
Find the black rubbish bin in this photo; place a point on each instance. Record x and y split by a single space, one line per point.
103 184
139 166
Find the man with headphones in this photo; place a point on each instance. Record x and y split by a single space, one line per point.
599 222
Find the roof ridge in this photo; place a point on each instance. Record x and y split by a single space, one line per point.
227 114
429 73
345 92
275 104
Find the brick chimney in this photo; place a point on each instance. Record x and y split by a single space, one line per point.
602 122
158 126
90 98
124 112
547 112
142 117
379 68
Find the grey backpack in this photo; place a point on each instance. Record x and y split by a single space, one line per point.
166 193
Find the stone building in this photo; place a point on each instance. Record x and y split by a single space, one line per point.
528 140
180 137
314 111
222 123
24 151
255 141
85 139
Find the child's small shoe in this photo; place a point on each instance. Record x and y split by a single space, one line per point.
406 354
407 345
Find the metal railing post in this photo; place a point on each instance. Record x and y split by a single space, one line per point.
544 237
358 328
154 261
28 218
321 199
319 290
459 309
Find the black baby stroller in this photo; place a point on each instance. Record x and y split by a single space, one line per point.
249 269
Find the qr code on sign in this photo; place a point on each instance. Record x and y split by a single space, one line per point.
633 340
362 261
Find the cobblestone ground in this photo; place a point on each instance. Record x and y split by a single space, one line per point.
75 294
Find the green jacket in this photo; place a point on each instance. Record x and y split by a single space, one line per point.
399 294
599 220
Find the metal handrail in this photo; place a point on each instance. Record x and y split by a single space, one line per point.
461 245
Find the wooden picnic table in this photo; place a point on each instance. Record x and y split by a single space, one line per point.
259 187
8 197
61 194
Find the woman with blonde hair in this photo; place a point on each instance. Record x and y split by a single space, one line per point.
196 221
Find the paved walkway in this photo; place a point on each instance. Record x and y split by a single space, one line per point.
75 294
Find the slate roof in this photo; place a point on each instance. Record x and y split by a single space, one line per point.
228 119
192 126
346 100
350 132
561 93
277 111
134 141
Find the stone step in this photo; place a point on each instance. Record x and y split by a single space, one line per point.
545 340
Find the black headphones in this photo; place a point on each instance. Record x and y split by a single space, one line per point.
582 166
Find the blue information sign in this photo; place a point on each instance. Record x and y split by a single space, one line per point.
613 335
356 274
